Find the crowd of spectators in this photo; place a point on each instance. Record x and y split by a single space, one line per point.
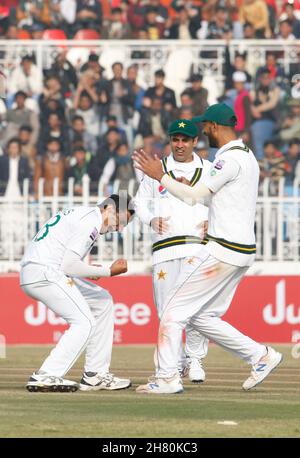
153 19
69 122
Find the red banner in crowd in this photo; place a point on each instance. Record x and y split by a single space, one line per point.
267 308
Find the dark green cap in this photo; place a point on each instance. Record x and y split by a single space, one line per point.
184 127
220 113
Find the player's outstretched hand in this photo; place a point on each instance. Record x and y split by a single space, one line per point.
118 267
160 225
148 164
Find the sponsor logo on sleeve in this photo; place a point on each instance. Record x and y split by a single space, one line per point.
94 234
162 191
219 165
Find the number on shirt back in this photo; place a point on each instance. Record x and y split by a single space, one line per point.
45 229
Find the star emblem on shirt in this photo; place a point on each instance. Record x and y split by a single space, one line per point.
190 261
161 275
181 124
70 282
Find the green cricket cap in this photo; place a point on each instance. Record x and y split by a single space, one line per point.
184 127
220 113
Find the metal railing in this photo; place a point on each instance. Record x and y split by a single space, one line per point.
277 225
206 56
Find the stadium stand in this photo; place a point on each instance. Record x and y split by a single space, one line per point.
73 107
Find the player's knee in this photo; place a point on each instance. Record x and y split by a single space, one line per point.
170 325
201 323
88 326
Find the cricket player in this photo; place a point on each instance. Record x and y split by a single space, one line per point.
53 271
202 294
177 232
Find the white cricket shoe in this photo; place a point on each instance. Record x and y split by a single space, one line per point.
92 381
183 371
41 381
157 385
195 370
263 368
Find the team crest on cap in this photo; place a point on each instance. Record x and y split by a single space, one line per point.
162 191
182 124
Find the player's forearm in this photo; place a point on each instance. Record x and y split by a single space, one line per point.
74 267
142 212
142 199
189 195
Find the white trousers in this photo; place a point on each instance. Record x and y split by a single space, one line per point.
87 308
201 296
165 276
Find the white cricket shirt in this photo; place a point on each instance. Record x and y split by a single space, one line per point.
74 229
233 181
153 200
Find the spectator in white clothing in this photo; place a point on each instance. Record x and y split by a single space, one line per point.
27 77
85 107
17 116
62 13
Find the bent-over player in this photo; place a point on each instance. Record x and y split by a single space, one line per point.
53 271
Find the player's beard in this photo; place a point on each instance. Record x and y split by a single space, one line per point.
212 141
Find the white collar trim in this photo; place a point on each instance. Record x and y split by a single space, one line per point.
173 165
239 142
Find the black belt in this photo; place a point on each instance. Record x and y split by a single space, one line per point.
189 239
178 240
240 248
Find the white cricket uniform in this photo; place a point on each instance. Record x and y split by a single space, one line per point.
203 292
85 306
175 250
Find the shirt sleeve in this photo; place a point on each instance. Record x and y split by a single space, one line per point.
189 195
222 171
108 171
141 201
73 266
84 237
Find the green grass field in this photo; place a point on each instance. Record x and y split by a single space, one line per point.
272 410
